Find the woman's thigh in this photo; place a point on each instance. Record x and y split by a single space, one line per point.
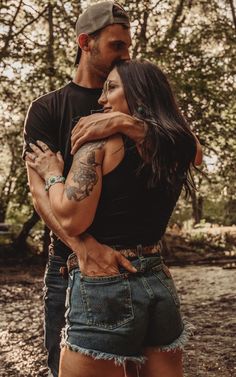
74 364
162 364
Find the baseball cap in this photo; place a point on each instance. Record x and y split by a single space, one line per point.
98 16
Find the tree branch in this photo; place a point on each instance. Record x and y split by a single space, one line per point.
33 42
233 12
11 36
174 27
30 22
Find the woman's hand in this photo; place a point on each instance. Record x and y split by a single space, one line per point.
44 161
102 260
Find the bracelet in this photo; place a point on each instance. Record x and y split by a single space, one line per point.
52 180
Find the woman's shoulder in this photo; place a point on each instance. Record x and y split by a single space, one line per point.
114 152
114 141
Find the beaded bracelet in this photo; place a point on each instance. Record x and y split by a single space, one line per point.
52 180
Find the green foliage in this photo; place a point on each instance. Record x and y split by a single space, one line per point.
37 39
194 42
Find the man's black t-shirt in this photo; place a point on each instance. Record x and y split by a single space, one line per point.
51 119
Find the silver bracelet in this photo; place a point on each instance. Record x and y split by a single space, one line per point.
52 180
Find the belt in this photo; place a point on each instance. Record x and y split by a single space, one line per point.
139 250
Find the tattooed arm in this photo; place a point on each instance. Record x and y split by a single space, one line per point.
74 204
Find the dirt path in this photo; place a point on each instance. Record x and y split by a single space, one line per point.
208 301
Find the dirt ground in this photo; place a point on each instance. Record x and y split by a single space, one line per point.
208 301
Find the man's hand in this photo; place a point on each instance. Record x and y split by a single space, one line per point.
101 260
102 125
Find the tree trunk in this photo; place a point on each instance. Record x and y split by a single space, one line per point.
50 53
20 241
197 207
233 12
2 213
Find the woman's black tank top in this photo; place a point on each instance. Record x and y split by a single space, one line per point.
128 212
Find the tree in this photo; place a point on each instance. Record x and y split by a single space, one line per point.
40 65
194 42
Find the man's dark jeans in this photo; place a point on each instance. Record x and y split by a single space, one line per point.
54 300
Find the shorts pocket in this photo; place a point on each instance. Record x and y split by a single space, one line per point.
163 274
107 300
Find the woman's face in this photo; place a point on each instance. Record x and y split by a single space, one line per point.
113 97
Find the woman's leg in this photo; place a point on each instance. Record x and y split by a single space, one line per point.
162 364
74 364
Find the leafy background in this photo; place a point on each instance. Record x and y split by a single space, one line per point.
192 41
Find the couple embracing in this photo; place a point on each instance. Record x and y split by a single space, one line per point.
108 205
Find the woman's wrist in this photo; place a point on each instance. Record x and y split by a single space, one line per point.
52 180
55 173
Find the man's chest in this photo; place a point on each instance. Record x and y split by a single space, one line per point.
66 118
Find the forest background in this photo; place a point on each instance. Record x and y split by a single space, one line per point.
192 41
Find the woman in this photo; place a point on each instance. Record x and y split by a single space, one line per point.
123 195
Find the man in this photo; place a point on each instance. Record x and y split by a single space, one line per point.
103 37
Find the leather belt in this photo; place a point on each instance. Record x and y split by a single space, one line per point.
140 250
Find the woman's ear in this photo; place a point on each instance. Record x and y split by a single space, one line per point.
83 41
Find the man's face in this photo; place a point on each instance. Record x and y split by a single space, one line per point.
111 46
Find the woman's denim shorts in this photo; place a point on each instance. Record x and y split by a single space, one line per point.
117 317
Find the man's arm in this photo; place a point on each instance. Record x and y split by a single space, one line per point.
99 126
102 125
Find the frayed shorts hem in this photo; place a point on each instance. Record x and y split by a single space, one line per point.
179 343
98 355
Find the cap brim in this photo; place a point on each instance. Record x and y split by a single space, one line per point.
78 55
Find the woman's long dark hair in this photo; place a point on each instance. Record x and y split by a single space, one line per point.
169 146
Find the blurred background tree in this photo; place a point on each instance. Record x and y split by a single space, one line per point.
193 41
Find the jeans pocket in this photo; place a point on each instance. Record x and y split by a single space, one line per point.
107 300
164 276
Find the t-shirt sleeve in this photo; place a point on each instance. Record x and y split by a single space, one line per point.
39 125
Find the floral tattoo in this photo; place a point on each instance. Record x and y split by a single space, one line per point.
84 171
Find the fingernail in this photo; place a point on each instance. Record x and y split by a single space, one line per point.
134 269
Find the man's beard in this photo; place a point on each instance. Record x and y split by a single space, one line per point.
95 60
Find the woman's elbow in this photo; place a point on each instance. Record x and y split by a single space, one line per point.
199 156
